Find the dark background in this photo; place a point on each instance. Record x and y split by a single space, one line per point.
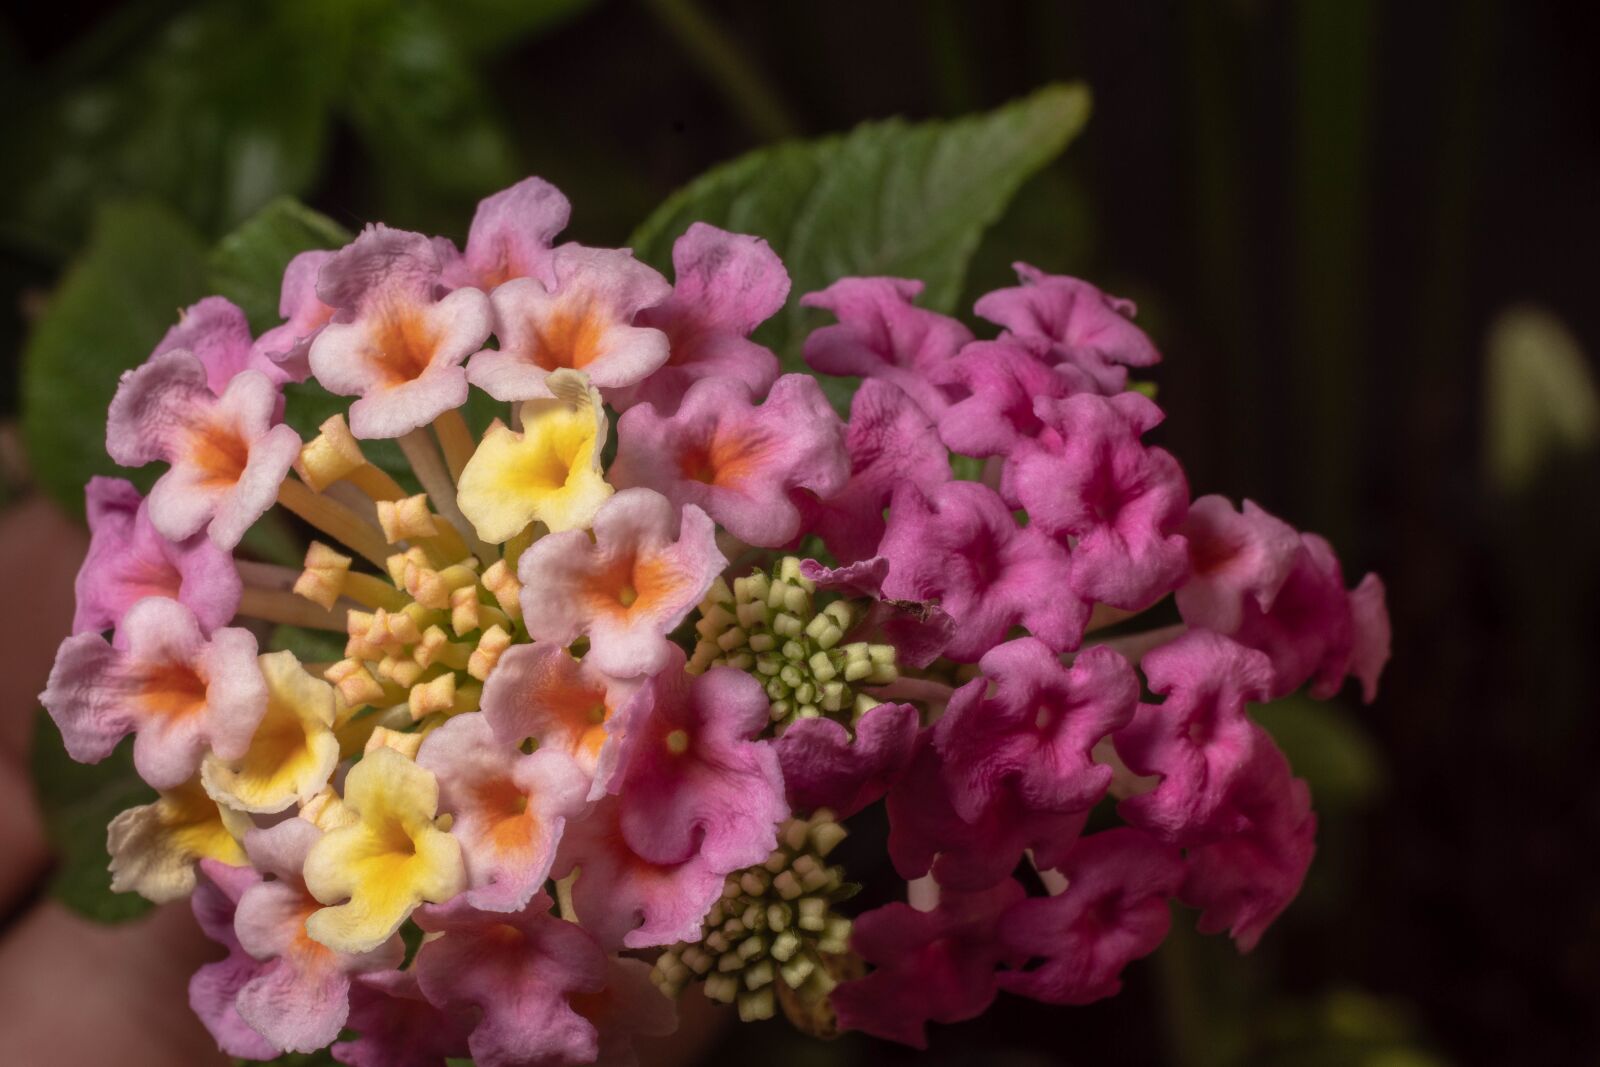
1323 209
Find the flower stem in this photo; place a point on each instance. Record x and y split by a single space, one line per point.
724 64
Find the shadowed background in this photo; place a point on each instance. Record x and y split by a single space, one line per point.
1362 234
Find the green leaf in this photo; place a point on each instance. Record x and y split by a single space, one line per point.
908 199
1541 399
247 264
1327 747
143 263
78 802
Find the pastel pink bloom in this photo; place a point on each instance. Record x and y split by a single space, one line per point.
738 461
693 780
727 285
926 833
288 345
541 691
128 561
622 898
882 334
1198 740
627 586
1233 557
214 988
1113 911
997 382
1027 727
928 966
890 442
217 333
824 766
181 693
1290 604
397 1027
392 342
919 630
508 808
511 235
584 322
629 1005
1245 881
1088 477
958 544
226 457
522 972
299 997
1086 328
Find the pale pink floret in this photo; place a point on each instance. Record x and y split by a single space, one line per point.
214 988
217 333
287 346
541 691
1027 726
181 693
625 588
128 561
299 997
997 383
625 900
396 1026
1088 477
928 966
739 462
1114 910
959 545
1245 881
1233 556
1086 328
1199 740
508 808
511 235
521 973
825 766
881 333
693 780
583 322
891 442
226 458
727 285
392 342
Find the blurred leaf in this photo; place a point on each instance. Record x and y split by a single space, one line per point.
308 646
247 264
214 111
1542 403
1327 747
142 265
78 802
430 123
891 197
490 25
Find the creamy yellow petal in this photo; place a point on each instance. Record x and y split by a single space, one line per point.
154 847
294 750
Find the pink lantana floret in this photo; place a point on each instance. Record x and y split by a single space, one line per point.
1086 329
508 808
1089 478
583 322
1233 557
998 382
226 456
824 766
216 331
737 461
627 586
393 342
183 694
129 560
1113 911
726 285
511 237
214 988
397 1027
288 345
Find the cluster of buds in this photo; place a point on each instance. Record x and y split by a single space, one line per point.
775 923
518 764
773 626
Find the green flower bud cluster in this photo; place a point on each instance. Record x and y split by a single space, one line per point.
772 626
775 923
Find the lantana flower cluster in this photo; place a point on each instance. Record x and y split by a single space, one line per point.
619 667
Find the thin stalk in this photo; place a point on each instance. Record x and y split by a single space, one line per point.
429 465
334 519
725 65
275 605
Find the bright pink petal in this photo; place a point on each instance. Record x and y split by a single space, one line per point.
397 1027
1232 557
997 382
511 234
825 767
